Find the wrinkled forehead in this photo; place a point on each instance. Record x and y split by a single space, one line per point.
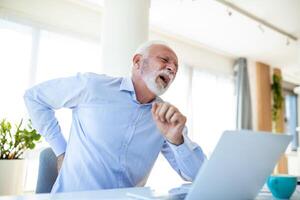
162 50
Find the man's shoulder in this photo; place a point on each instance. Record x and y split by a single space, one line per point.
94 77
99 80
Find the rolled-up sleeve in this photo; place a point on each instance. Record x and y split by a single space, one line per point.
44 98
186 158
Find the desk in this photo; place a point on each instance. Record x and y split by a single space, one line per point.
112 194
86 195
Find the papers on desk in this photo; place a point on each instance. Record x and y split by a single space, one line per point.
142 197
178 193
154 197
183 189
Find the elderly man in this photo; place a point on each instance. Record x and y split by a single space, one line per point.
119 125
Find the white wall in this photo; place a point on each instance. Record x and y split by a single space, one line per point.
58 15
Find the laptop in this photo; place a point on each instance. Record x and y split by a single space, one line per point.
238 167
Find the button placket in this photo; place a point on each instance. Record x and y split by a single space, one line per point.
129 135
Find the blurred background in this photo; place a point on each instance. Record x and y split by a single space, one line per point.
228 53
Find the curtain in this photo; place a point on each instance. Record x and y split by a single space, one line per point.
243 96
213 108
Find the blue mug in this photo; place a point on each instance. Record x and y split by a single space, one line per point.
282 186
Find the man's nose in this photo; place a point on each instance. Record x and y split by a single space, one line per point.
171 68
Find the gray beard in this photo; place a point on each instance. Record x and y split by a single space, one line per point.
154 87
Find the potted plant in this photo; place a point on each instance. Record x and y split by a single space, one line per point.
278 102
14 141
277 117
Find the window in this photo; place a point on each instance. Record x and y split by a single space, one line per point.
291 118
30 55
15 62
61 55
213 108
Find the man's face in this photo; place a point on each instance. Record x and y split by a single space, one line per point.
158 69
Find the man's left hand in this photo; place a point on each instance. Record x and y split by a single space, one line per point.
169 121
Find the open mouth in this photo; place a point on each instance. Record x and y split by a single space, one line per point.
164 78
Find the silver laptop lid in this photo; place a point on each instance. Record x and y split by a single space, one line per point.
239 165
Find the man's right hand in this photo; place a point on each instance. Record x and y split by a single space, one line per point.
60 160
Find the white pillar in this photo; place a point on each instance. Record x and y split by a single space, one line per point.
125 27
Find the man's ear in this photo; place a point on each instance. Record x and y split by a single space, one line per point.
137 59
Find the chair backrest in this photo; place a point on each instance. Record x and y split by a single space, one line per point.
47 171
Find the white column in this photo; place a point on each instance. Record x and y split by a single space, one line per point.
125 27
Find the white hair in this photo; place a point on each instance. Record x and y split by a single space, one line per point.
144 48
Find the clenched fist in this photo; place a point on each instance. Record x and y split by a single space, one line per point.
169 121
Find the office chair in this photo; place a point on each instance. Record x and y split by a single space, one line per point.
47 171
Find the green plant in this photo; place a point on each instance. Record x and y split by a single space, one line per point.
14 142
277 97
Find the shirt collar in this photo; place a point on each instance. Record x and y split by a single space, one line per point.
127 85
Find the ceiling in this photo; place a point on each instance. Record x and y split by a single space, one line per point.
209 24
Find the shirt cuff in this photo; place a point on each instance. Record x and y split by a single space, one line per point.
186 148
58 144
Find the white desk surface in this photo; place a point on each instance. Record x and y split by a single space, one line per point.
120 194
92 195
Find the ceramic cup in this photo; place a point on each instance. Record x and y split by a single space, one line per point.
282 186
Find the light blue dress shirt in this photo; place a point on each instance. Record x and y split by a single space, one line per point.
113 140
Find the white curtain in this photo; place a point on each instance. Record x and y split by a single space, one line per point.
213 108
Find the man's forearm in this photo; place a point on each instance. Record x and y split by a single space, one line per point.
189 158
190 162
